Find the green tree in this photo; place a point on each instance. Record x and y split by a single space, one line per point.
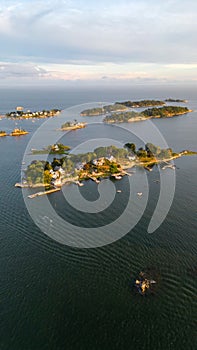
131 147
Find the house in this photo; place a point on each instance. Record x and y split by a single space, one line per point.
94 162
131 157
111 158
79 166
59 169
55 148
100 161
56 182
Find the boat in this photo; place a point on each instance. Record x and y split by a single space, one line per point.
118 191
143 284
139 194
118 177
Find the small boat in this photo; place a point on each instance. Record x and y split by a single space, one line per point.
118 177
143 284
118 191
139 194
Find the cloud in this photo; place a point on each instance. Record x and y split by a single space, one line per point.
82 39
11 70
61 31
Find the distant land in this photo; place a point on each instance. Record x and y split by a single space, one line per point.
176 100
141 104
126 106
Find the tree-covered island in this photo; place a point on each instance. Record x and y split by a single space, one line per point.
178 100
124 117
103 162
166 112
120 107
142 103
120 112
162 112
116 107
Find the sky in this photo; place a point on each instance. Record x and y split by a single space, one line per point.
111 41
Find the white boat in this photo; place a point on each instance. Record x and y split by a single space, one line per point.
118 177
139 194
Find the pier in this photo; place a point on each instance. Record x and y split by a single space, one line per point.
44 193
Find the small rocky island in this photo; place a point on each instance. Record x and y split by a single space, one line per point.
3 133
57 148
15 132
18 132
73 125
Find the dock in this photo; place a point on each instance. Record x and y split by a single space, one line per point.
94 179
44 193
171 166
21 185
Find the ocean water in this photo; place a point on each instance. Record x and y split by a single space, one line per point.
54 296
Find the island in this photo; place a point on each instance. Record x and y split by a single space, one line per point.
15 132
176 100
57 148
162 112
125 117
166 112
73 125
117 107
3 133
142 103
18 132
120 107
103 162
20 114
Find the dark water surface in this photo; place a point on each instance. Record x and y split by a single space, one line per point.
57 297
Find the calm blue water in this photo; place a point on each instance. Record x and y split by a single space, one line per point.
58 297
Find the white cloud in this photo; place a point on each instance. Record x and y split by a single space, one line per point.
85 33
11 70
